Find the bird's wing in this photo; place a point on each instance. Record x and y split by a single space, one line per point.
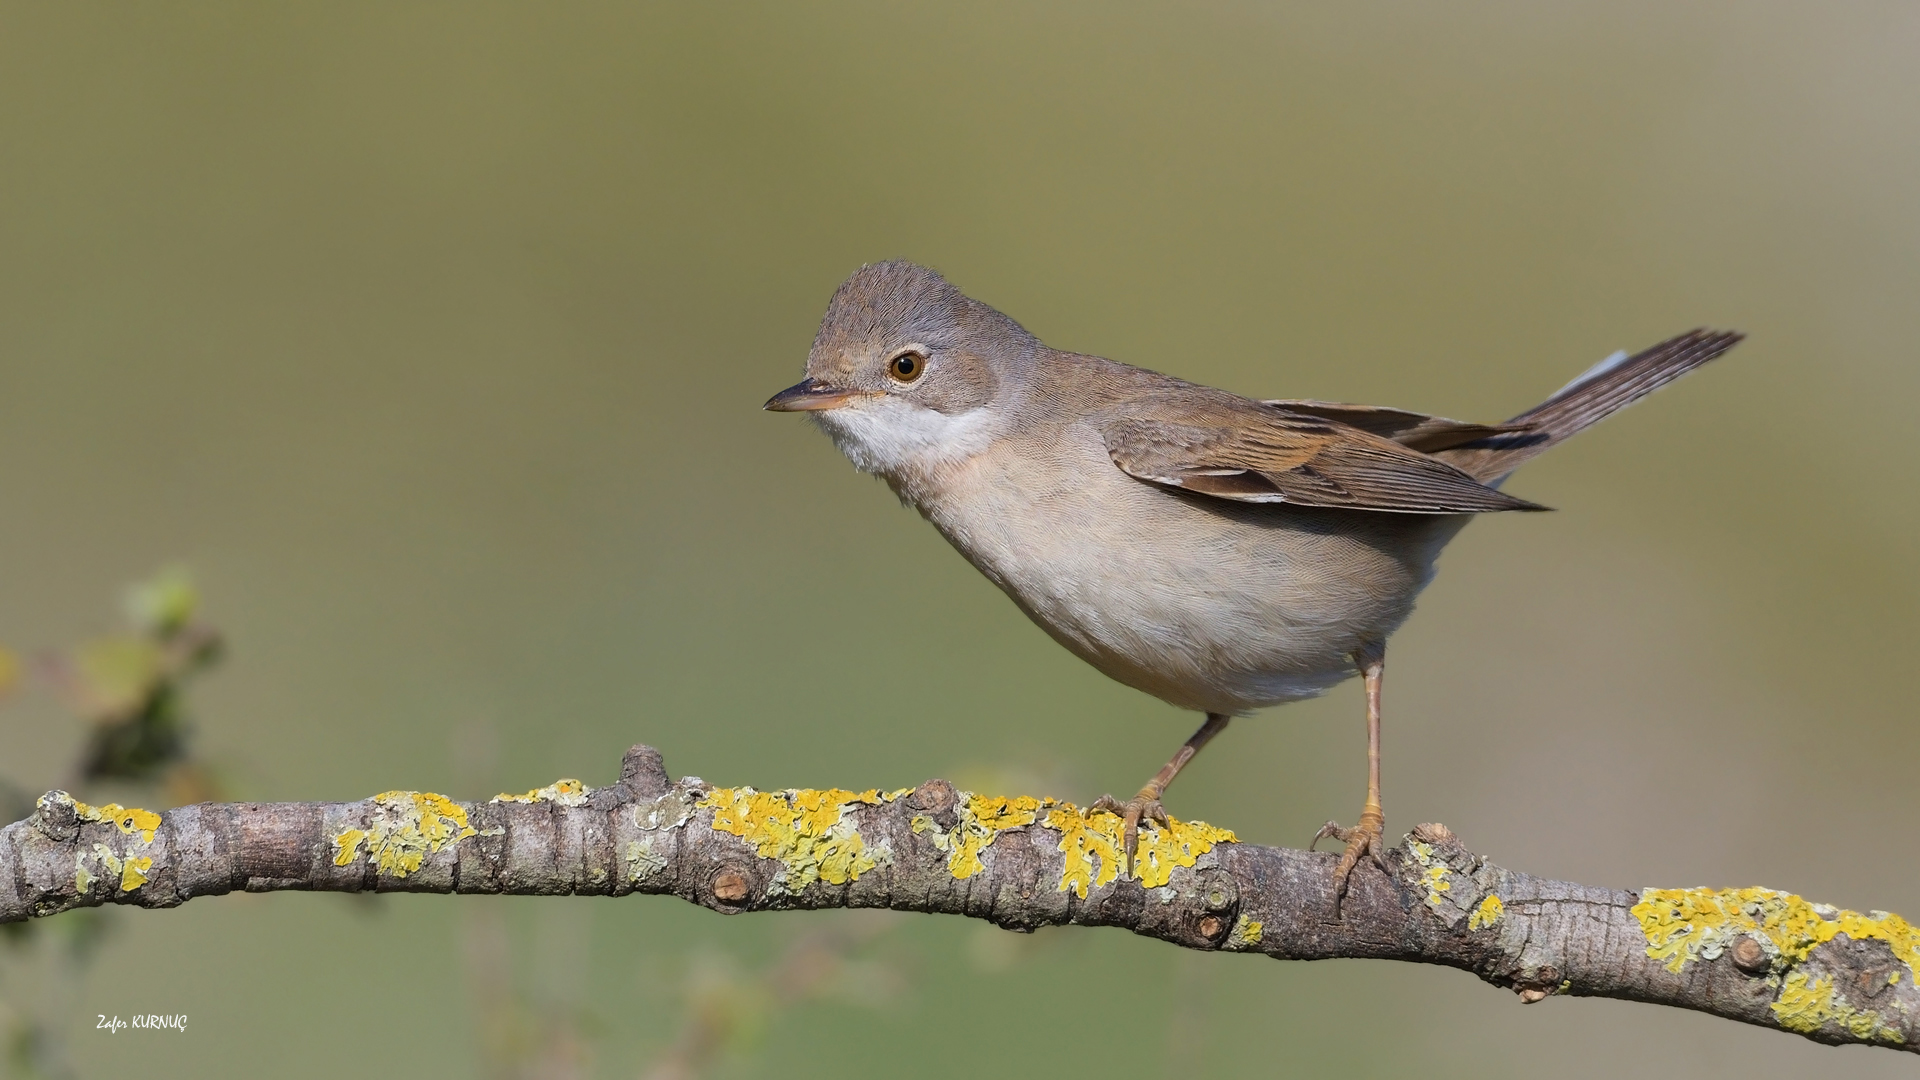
1234 448
1416 431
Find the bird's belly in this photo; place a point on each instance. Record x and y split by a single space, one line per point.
1206 604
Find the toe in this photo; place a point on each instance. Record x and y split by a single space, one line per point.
1377 847
1363 840
1331 829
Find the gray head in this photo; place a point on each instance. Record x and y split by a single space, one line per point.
907 372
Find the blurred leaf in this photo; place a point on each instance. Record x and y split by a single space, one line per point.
9 671
137 746
116 674
163 604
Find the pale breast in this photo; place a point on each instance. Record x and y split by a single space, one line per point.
1207 604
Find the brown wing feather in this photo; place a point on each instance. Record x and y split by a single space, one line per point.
1416 431
1233 448
1369 457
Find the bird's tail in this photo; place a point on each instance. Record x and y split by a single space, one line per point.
1604 389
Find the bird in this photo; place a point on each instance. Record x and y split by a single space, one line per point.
1221 553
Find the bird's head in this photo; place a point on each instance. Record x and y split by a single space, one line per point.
908 373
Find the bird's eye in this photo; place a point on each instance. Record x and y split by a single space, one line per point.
907 367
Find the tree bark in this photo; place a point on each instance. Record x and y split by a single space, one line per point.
1753 955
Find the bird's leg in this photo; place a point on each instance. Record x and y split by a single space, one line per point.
1366 836
1147 803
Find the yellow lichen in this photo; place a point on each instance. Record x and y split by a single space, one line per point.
1688 924
1085 834
128 819
133 872
107 858
1808 1004
405 827
1487 913
981 818
807 830
1246 932
346 845
564 792
1434 872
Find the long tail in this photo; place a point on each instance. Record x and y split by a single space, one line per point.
1604 389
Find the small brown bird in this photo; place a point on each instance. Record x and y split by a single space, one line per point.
1218 552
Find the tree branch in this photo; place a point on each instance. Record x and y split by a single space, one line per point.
1753 955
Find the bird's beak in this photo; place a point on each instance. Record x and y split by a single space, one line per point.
810 395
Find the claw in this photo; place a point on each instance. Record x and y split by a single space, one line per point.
1366 838
1131 812
1331 828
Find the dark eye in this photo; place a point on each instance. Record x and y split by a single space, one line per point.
907 367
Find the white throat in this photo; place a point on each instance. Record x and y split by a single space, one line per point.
890 435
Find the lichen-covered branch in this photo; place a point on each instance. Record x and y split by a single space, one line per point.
1763 957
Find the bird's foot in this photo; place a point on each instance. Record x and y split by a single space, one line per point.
1367 837
1144 805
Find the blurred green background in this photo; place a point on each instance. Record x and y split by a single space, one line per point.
432 338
